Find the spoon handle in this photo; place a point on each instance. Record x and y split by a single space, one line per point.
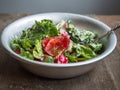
108 32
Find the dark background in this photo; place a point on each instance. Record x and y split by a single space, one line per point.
72 6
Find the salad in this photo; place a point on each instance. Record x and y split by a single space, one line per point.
62 43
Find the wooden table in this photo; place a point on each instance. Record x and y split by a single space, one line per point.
106 76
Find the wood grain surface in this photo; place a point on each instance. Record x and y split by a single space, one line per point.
105 76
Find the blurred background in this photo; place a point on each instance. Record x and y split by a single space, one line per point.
71 6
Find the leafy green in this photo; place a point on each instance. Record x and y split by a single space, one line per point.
15 44
86 52
40 30
96 46
72 58
26 44
26 54
37 51
49 59
80 52
80 36
73 32
84 47
46 27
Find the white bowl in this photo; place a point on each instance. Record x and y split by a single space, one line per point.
58 71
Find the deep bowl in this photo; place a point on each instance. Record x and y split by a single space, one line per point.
51 70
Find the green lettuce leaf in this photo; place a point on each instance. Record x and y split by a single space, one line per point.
80 52
80 36
15 44
26 54
37 51
49 59
96 46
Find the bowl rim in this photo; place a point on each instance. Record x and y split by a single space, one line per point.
26 60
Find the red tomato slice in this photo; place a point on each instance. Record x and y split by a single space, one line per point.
45 41
55 45
65 41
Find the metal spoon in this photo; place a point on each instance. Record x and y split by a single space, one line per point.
107 33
